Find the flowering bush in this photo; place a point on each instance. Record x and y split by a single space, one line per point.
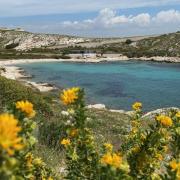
150 151
16 144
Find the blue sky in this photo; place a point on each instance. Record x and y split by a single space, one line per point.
100 18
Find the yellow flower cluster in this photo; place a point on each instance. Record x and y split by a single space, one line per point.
108 146
164 120
29 158
38 161
9 129
69 96
111 159
74 132
136 149
66 142
137 106
174 165
159 157
26 107
178 114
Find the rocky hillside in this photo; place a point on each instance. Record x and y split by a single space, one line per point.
21 44
167 42
21 40
163 45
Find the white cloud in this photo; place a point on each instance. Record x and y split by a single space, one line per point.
108 18
38 7
143 19
171 16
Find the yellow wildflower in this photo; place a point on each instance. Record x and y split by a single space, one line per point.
43 178
29 158
178 114
107 159
111 159
26 107
136 149
108 146
69 96
159 157
164 120
165 148
38 161
9 129
74 132
134 130
71 111
137 106
66 142
50 178
116 160
142 137
174 165
134 123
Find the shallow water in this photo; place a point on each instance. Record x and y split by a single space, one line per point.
118 84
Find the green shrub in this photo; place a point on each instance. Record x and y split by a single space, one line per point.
128 41
12 91
11 46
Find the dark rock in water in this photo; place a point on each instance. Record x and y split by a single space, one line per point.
54 77
25 74
45 84
86 84
49 85
2 69
113 89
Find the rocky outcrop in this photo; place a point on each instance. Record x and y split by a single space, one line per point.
152 114
97 106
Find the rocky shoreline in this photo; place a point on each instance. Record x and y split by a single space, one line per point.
16 73
104 58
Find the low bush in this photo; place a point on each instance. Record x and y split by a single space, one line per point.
12 91
148 153
128 41
11 46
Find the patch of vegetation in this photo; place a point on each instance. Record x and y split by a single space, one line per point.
12 45
12 91
128 41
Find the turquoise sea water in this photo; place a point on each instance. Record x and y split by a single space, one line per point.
118 84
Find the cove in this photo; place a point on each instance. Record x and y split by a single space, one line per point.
115 84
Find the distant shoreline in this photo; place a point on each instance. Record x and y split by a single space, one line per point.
105 58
